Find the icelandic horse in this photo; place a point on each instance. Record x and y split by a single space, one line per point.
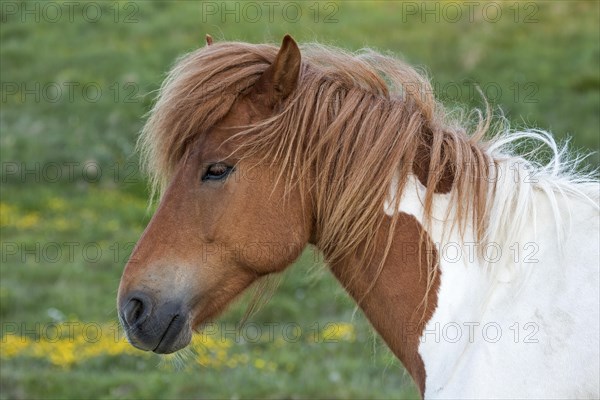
478 267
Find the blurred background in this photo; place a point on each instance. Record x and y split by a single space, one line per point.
77 79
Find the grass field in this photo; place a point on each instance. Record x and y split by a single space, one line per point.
75 88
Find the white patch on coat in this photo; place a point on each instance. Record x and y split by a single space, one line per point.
524 323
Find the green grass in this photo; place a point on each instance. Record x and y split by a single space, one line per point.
543 74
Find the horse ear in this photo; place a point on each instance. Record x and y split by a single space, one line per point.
280 78
209 40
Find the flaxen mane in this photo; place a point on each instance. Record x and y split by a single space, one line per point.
355 123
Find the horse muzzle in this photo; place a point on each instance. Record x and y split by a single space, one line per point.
162 328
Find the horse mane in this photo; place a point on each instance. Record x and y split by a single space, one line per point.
356 123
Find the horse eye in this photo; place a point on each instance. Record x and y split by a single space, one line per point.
217 172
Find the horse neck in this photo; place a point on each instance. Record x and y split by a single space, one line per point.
400 301
474 302
396 299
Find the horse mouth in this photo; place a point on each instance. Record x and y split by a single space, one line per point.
173 338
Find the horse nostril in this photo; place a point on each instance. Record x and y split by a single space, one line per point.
137 309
